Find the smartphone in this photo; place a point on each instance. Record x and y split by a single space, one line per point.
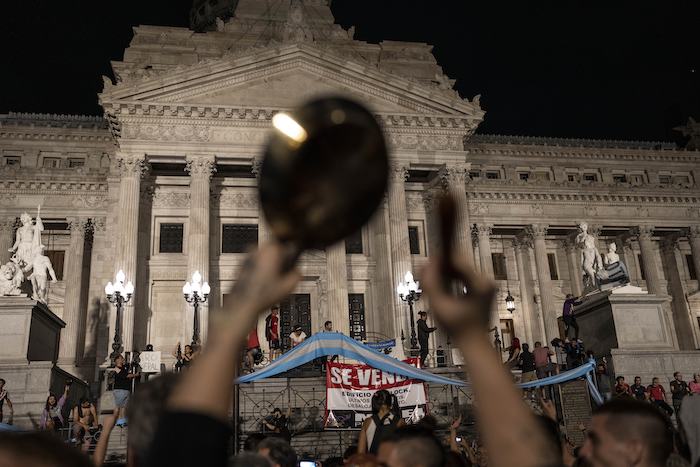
307 464
458 439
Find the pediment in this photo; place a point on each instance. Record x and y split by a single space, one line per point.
288 88
283 76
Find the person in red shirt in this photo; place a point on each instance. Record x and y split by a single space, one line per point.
252 349
272 332
622 389
657 396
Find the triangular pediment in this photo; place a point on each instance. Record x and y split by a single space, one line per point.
282 77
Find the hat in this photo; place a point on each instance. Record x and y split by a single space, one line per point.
422 312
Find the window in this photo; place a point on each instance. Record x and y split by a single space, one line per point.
52 162
414 240
493 174
524 176
76 162
12 160
356 302
171 236
353 244
641 267
619 178
692 273
572 177
499 266
637 179
474 174
57 258
665 179
553 271
590 177
238 238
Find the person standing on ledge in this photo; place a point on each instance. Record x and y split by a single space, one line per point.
423 334
568 314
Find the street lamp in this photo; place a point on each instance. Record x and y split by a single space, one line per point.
195 293
510 302
409 291
118 295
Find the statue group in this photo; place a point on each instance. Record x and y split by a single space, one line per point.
599 272
27 262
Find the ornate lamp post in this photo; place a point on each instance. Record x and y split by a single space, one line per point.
118 295
195 293
410 292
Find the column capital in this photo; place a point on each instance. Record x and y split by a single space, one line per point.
669 243
568 244
398 172
99 224
78 225
483 230
643 232
131 165
8 224
204 166
522 242
256 167
455 174
537 231
693 232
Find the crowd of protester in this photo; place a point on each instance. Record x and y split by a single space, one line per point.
183 418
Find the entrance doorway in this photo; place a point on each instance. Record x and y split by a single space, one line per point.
295 311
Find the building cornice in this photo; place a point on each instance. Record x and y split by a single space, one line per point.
598 154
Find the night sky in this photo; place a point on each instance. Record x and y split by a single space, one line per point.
589 69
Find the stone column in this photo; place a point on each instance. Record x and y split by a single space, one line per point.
200 168
131 168
400 251
263 229
455 177
381 283
651 270
694 240
337 274
549 314
7 230
72 308
483 233
520 246
573 256
682 317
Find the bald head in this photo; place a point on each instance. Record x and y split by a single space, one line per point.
628 432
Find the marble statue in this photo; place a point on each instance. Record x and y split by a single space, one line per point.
27 240
11 278
615 272
591 261
41 268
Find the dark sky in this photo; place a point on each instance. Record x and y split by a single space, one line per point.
592 69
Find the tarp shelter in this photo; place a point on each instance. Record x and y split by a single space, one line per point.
334 343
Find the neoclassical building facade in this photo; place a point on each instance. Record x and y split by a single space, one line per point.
165 185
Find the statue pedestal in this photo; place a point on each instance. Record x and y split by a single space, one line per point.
624 318
29 338
30 332
634 331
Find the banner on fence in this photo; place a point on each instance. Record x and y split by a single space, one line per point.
349 391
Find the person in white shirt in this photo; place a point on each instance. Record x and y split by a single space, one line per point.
297 336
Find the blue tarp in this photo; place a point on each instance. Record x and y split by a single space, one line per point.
334 343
